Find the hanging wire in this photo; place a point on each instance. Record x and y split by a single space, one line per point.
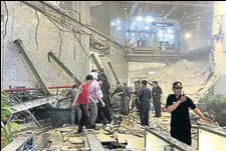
61 41
36 30
7 17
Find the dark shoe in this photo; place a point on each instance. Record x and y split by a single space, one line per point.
79 131
89 127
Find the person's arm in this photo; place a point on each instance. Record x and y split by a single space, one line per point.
172 107
76 97
100 95
101 100
93 101
160 92
197 111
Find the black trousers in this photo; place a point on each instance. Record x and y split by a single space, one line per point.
144 113
137 103
182 134
157 106
84 118
104 113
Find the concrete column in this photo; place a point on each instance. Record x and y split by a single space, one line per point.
219 47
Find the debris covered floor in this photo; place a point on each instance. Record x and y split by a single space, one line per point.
125 133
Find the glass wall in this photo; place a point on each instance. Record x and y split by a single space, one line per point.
142 32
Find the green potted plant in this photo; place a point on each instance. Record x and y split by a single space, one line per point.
11 128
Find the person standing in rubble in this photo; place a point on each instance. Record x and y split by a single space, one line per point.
144 96
82 98
116 97
96 95
178 105
136 101
157 96
106 112
126 99
75 113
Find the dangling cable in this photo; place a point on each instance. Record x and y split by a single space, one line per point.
36 30
7 17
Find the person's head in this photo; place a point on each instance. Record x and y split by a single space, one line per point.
100 81
74 86
118 85
101 70
155 83
93 70
177 88
144 82
94 73
125 85
89 79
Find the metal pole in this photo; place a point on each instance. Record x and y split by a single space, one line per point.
32 116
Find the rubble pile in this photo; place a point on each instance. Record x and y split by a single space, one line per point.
195 76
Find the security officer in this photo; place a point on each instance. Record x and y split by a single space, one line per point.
157 94
144 97
178 105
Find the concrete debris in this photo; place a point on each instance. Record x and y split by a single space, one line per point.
195 76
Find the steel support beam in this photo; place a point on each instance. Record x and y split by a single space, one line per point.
51 55
31 104
18 43
171 11
195 14
95 61
93 141
19 142
133 8
40 5
174 143
113 71
32 116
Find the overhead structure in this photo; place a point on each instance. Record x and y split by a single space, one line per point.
19 44
133 8
171 11
184 3
95 61
51 55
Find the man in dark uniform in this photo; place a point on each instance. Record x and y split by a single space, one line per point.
144 97
157 94
106 115
178 105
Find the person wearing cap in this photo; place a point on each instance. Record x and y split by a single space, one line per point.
96 95
144 96
178 105
157 95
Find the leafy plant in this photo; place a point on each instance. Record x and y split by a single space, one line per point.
216 103
11 128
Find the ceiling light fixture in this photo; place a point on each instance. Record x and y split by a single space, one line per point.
139 18
149 19
187 35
